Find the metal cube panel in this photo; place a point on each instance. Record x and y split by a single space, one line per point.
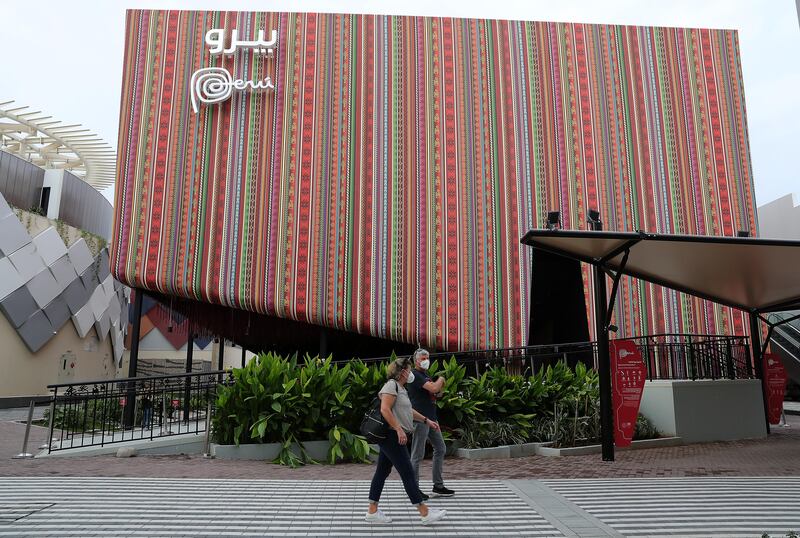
5 209
83 320
114 310
50 245
90 280
102 326
13 235
36 331
10 280
44 288
76 296
98 303
57 313
18 306
104 269
118 345
108 287
27 261
63 271
80 256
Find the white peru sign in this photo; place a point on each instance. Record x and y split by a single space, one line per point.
210 85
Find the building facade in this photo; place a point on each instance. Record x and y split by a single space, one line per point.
373 174
63 317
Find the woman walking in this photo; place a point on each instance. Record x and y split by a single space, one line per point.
396 409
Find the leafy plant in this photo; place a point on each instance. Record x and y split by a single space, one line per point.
645 429
288 401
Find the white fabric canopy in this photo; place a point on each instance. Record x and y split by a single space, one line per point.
756 275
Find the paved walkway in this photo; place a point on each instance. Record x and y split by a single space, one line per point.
776 455
111 507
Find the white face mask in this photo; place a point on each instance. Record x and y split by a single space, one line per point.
410 378
425 364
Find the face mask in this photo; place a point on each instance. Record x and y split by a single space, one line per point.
425 364
410 378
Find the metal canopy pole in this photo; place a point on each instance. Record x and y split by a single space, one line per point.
603 357
244 356
758 363
128 416
133 362
220 357
187 382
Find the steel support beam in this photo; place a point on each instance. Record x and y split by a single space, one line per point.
129 416
188 381
221 357
603 357
758 362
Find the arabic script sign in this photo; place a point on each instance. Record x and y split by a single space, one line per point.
775 383
211 85
627 377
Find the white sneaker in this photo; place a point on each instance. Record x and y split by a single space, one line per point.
433 516
378 517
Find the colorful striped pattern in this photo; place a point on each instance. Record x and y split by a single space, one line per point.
384 185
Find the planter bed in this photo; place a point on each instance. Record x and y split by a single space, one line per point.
317 450
597 449
545 449
498 452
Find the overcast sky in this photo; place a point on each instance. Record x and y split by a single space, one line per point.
65 57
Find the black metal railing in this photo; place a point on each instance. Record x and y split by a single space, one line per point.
520 360
98 413
666 356
695 356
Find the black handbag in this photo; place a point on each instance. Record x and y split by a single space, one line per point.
373 425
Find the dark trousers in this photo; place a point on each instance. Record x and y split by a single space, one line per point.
393 454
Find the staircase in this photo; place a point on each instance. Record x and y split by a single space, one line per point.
786 342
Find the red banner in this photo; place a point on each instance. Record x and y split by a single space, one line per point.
775 383
627 382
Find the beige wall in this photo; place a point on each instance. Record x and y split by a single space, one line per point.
28 374
164 361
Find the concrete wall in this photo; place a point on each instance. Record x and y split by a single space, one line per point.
780 219
63 359
708 410
20 181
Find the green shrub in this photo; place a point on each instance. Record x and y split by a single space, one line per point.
645 429
289 401
277 400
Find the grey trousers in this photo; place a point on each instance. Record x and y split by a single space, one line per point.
423 433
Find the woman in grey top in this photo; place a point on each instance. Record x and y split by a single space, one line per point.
396 409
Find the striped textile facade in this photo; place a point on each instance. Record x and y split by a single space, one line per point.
383 186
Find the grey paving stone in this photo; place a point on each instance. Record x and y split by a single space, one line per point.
18 306
13 235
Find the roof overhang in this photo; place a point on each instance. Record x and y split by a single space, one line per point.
756 275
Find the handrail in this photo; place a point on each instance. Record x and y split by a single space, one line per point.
128 379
